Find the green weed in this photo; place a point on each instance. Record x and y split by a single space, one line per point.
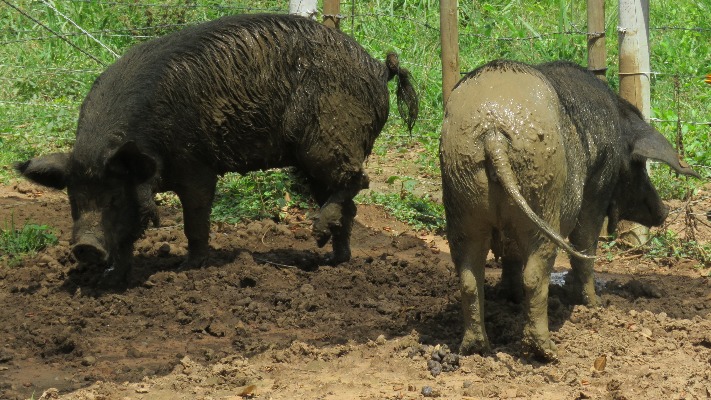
16 243
667 244
609 246
420 212
260 194
670 185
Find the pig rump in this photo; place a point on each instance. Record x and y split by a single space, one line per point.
530 156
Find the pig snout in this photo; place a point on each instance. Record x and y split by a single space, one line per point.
656 214
89 250
664 212
660 213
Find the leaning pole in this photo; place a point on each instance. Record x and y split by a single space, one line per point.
635 74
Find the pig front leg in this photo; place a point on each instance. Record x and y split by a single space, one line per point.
336 220
580 282
116 275
196 199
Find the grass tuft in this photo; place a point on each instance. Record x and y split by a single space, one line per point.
17 243
261 194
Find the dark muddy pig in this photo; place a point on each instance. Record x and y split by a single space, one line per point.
532 155
237 94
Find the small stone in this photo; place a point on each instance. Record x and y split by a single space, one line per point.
380 340
88 361
435 367
5 356
442 353
163 250
427 391
307 289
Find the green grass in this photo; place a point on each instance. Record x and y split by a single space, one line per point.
421 213
17 243
258 195
43 79
671 185
418 211
667 244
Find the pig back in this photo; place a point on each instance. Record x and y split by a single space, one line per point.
237 94
516 101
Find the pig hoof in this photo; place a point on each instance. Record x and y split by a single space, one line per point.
593 301
474 345
542 350
193 262
575 294
336 258
322 237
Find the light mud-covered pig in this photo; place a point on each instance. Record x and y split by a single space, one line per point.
532 155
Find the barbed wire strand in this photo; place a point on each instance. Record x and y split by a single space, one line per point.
36 21
165 5
55 70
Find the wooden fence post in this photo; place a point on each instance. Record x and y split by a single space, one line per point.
635 71
305 8
332 13
634 53
449 36
597 53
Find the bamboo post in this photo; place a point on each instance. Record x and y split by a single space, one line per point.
449 36
597 53
633 32
332 13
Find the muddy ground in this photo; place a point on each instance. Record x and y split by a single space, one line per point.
268 320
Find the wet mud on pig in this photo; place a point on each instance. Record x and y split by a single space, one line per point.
237 94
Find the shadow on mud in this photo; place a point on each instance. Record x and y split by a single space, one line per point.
88 277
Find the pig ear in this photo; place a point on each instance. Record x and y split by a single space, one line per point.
655 146
128 161
50 170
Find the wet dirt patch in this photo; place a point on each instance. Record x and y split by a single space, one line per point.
268 318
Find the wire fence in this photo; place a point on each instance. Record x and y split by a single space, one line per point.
52 51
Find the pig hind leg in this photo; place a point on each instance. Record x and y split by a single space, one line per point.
470 237
536 278
469 250
335 219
